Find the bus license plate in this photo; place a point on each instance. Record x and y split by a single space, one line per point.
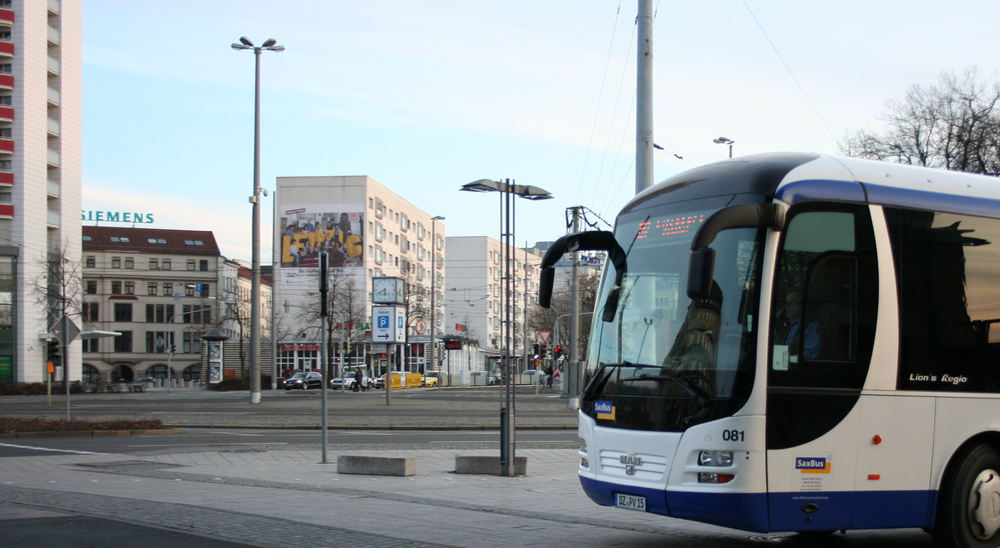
631 502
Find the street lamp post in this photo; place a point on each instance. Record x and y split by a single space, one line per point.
725 141
268 45
434 361
507 188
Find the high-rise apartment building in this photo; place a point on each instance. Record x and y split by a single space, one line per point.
368 231
476 292
40 174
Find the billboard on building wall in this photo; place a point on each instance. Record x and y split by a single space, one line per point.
308 230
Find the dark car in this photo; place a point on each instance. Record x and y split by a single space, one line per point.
304 380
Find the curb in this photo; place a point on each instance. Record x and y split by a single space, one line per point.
91 433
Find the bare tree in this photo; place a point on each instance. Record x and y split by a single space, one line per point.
542 319
237 311
347 314
58 288
953 125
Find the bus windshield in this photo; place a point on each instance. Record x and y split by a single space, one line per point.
665 362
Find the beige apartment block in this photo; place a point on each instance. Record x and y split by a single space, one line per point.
476 304
368 231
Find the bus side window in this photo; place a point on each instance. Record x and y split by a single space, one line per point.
827 263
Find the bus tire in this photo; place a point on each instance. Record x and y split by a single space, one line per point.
968 512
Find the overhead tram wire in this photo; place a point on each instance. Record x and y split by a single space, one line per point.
614 112
600 97
791 74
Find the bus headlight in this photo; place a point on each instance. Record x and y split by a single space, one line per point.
584 461
715 458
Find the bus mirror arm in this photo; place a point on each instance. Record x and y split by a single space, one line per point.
702 265
591 240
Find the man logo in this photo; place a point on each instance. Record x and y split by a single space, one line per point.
630 462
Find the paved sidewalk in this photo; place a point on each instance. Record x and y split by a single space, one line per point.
277 498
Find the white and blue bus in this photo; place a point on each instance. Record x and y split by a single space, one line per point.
799 342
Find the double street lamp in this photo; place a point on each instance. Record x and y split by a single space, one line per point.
268 45
434 360
507 188
725 141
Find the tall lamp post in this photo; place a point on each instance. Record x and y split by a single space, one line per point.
725 141
434 361
507 188
268 45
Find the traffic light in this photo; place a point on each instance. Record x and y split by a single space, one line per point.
54 353
538 351
557 351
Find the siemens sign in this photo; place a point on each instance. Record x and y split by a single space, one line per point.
117 216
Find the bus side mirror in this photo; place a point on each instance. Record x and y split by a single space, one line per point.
545 282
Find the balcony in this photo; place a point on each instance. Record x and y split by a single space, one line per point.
6 17
52 187
53 35
52 126
6 178
6 114
53 65
51 94
6 48
53 157
6 211
6 146
51 217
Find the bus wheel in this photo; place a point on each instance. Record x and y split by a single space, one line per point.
969 507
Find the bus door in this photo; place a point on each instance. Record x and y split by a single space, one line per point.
822 329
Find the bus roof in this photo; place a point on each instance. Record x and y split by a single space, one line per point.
797 177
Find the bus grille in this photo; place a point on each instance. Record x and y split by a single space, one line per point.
641 466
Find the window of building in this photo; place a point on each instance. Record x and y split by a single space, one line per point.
168 289
116 287
123 312
120 239
91 287
151 288
156 241
159 313
192 343
154 264
129 262
90 312
123 342
91 261
130 288
203 265
6 68
197 314
165 264
157 342
189 290
191 264
116 262
91 345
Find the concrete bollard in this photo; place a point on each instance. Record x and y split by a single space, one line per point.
488 465
377 466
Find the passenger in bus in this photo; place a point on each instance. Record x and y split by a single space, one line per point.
805 344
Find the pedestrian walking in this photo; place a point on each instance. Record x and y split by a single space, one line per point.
357 380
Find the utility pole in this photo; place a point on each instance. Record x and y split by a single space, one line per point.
573 373
644 98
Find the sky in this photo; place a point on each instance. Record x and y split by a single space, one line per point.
426 96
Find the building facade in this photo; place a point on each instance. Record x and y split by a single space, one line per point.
476 292
40 176
161 290
368 231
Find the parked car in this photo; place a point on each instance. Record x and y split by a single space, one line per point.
347 383
533 376
430 379
304 380
146 379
